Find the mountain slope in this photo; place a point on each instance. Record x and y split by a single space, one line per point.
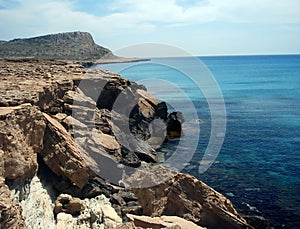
67 46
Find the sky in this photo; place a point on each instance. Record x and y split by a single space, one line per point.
201 27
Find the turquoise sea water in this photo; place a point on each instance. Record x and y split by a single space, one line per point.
258 166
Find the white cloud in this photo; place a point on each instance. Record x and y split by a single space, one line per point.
126 21
246 11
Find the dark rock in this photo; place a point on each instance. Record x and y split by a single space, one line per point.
129 158
97 186
118 200
162 110
174 129
127 195
258 222
133 209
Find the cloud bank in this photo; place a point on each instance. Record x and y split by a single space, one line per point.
119 21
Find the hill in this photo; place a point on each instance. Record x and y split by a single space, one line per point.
65 46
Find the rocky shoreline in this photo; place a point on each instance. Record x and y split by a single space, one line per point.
68 161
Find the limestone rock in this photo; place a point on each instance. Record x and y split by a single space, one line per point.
27 81
162 222
35 199
108 142
21 137
184 196
94 213
77 97
146 96
65 220
68 204
63 156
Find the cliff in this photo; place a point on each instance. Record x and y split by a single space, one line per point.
71 141
64 46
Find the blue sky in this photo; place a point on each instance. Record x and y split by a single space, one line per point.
201 27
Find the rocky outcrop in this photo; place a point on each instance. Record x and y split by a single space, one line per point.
88 213
21 137
35 198
84 133
63 156
64 46
184 196
161 222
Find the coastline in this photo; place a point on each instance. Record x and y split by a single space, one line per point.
47 107
119 60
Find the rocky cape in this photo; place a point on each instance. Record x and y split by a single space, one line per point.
65 46
67 159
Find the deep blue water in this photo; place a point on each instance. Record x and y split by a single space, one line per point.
258 166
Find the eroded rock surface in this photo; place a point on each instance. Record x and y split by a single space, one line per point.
184 196
88 213
21 137
162 222
10 212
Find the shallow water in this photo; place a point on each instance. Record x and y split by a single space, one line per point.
258 166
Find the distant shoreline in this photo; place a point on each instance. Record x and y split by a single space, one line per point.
120 60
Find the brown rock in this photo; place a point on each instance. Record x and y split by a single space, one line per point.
68 204
63 156
72 123
147 96
10 212
108 142
184 196
21 136
79 98
127 225
146 109
162 222
29 82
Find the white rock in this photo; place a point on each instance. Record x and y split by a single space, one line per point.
65 221
36 204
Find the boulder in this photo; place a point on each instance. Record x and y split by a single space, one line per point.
63 155
21 137
68 204
108 142
183 195
162 222
174 122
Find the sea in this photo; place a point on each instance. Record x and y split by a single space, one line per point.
252 105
